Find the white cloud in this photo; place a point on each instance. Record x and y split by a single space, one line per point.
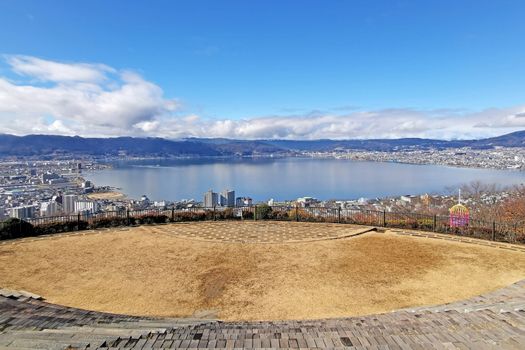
374 124
82 96
96 100
56 71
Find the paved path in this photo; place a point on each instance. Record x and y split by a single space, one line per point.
246 231
492 321
258 231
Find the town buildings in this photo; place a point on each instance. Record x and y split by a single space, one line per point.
211 199
22 212
225 199
51 208
85 206
68 203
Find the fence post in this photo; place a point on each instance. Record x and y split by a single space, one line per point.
255 213
434 223
172 214
384 218
338 215
296 212
214 214
127 216
493 230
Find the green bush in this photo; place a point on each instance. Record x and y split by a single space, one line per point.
15 228
263 211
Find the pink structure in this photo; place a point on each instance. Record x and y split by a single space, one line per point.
459 216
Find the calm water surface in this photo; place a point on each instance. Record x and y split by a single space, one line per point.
282 179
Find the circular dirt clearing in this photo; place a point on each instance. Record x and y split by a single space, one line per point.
171 270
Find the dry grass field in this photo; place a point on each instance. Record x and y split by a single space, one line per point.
106 195
152 271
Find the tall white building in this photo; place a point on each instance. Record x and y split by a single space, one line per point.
68 203
227 198
50 208
23 212
211 199
86 206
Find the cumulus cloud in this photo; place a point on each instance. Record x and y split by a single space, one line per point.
389 123
84 99
89 99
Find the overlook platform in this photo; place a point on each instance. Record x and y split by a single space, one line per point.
207 285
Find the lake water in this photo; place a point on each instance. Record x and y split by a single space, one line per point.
289 178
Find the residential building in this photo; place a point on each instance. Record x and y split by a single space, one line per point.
227 198
49 176
159 204
307 201
86 206
243 202
68 203
22 212
50 208
211 199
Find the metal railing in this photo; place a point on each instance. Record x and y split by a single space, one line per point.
490 230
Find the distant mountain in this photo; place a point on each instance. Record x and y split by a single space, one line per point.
36 145
51 145
515 139
368 145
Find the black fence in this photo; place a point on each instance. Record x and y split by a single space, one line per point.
489 230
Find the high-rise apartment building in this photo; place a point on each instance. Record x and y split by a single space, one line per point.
22 212
68 203
50 208
211 199
227 198
86 206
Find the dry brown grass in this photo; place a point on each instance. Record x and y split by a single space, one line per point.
106 195
142 272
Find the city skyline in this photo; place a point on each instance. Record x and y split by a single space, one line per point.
336 70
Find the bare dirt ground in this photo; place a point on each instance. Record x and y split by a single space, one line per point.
106 195
143 271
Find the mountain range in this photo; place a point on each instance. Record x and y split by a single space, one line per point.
52 145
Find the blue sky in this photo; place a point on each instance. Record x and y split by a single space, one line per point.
233 67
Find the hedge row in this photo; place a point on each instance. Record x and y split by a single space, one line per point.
15 228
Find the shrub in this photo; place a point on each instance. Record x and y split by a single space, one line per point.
111 222
57 227
15 228
302 214
247 214
151 219
279 215
189 216
226 214
263 211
